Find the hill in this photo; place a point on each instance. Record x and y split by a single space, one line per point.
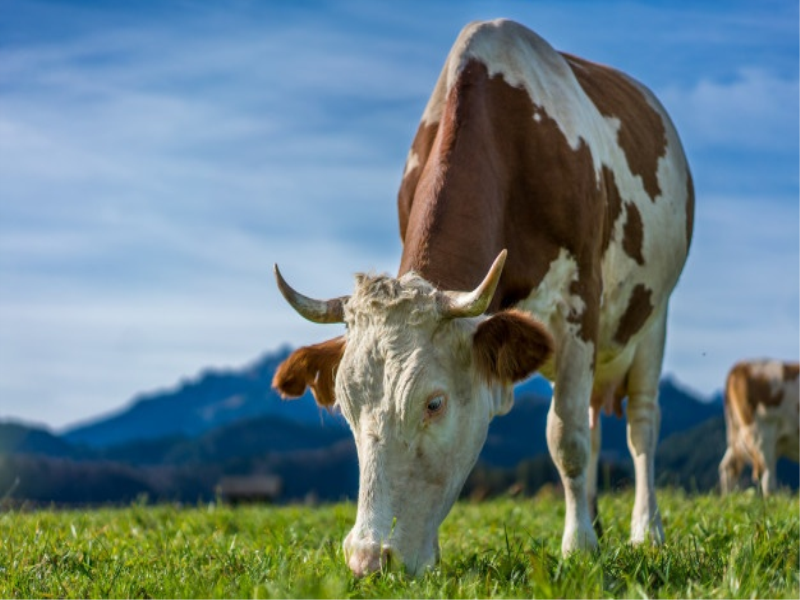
212 399
689 459
178 444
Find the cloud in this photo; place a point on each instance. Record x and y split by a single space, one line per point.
756 110
739 294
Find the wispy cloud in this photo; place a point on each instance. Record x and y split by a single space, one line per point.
739 294
757 110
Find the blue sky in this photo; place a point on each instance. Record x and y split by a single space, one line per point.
157 158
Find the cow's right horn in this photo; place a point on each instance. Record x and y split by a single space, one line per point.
318 311
474 303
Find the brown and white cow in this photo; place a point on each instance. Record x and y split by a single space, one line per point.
762 417
574 169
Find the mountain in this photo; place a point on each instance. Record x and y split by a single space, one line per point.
690 458
177 444
217 398
319 459
196 423
521 433
243 439
213 399
16 438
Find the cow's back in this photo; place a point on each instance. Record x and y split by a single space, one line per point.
573 167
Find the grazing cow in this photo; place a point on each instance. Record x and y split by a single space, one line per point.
577 171
762 416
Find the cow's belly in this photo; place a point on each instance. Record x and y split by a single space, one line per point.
555 306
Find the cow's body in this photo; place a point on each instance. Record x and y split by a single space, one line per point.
762 417
576 170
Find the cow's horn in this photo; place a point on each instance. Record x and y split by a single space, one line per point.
474 303
318 311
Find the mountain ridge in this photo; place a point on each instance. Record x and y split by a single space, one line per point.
176 444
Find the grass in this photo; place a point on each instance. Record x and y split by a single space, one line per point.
736 547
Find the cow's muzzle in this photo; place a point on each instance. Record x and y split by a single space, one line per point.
367 557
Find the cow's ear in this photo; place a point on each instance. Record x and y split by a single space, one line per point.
311 366
509 346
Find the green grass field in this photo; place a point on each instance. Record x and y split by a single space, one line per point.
736 547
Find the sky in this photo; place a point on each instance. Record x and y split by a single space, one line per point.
157 158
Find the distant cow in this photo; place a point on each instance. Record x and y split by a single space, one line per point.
578 172
762 416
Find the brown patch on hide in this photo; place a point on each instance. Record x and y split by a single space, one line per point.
498 178
640 306
587 319
311 366
641 135
760 391
510 346
791 371
421 147
633 234
613 206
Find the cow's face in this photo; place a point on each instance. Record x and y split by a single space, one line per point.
418 379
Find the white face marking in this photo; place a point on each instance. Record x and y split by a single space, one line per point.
419 415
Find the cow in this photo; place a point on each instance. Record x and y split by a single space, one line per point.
762 419
546 212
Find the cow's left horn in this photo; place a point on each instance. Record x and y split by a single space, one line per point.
318 311
474 303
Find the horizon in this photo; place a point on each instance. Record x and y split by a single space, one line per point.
157 159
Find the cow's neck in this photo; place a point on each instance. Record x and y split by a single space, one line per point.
446 244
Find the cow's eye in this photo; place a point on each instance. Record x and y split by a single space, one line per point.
436 404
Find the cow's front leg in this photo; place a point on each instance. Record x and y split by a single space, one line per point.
644 420
643 424
568 439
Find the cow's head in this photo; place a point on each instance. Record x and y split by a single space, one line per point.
418 376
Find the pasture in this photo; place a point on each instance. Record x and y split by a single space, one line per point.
734 547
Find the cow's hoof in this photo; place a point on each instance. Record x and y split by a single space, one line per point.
580 540
647 531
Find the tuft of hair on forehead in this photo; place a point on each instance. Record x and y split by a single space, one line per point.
383 293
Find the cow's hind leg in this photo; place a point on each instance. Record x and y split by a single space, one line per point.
568 439
766 455
729 470
644 419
